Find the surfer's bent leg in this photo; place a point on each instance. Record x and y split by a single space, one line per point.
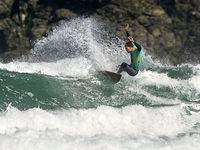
125 67
131 71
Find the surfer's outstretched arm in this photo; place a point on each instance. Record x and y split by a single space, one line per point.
126 29
131 39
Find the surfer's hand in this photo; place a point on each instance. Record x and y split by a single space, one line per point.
126 28
118 66
130 39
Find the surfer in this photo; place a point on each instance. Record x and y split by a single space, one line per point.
135 51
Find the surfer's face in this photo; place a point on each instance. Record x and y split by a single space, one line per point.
129 49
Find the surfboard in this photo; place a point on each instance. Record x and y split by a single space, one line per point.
114 77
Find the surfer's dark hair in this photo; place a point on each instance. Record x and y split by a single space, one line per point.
129 44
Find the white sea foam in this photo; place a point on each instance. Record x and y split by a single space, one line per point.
189 86
133 121
101 128
66 67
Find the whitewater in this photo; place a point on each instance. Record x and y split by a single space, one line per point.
55 98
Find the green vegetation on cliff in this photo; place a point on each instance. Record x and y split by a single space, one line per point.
168 30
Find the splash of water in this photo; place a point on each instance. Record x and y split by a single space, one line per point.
80 37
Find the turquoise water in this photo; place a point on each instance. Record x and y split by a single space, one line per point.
56 99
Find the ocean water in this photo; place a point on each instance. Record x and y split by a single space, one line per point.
56 99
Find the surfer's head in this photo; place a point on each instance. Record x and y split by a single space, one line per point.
129 47
129 44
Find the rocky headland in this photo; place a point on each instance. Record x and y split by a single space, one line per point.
169 30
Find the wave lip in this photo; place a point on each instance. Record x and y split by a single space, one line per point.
68 67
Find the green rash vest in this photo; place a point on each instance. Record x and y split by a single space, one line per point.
135 58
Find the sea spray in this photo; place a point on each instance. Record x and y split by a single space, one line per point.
80 37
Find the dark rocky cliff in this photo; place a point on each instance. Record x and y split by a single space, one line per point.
168 30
